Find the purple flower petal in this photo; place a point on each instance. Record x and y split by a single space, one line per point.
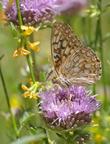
68 107
71 5
33 11
37 11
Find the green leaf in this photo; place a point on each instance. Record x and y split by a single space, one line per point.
106 8
14 31
29 139
26 117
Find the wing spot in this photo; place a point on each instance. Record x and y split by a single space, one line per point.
83 51
64 44
88 54
86 71
55 46
88 66
67 51
76 69
59 45
94 59
56 32
58 38
56 56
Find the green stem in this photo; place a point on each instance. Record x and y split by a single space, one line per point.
99 40
90 31
84 29
95 46
19 13
30 64
29 58
33 54
8 102
35 68
101 52
90 43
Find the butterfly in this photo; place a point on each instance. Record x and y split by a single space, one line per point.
74 63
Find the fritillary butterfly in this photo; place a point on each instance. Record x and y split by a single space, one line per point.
74 63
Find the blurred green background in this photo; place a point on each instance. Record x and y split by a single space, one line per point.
14 68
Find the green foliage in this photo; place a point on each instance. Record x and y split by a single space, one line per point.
24 124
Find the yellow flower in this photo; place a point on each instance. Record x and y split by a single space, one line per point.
99 138
25 88
31 92
16 105
15 102
34 46
28 30
21 52
3 18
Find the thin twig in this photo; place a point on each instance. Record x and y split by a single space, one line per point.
8 102
29 57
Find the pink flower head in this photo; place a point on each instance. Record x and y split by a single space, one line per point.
32 11
68 107
38 11
70 6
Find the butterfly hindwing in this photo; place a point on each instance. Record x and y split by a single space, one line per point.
82 67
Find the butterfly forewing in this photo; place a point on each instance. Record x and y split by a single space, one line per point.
73 62
64 43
